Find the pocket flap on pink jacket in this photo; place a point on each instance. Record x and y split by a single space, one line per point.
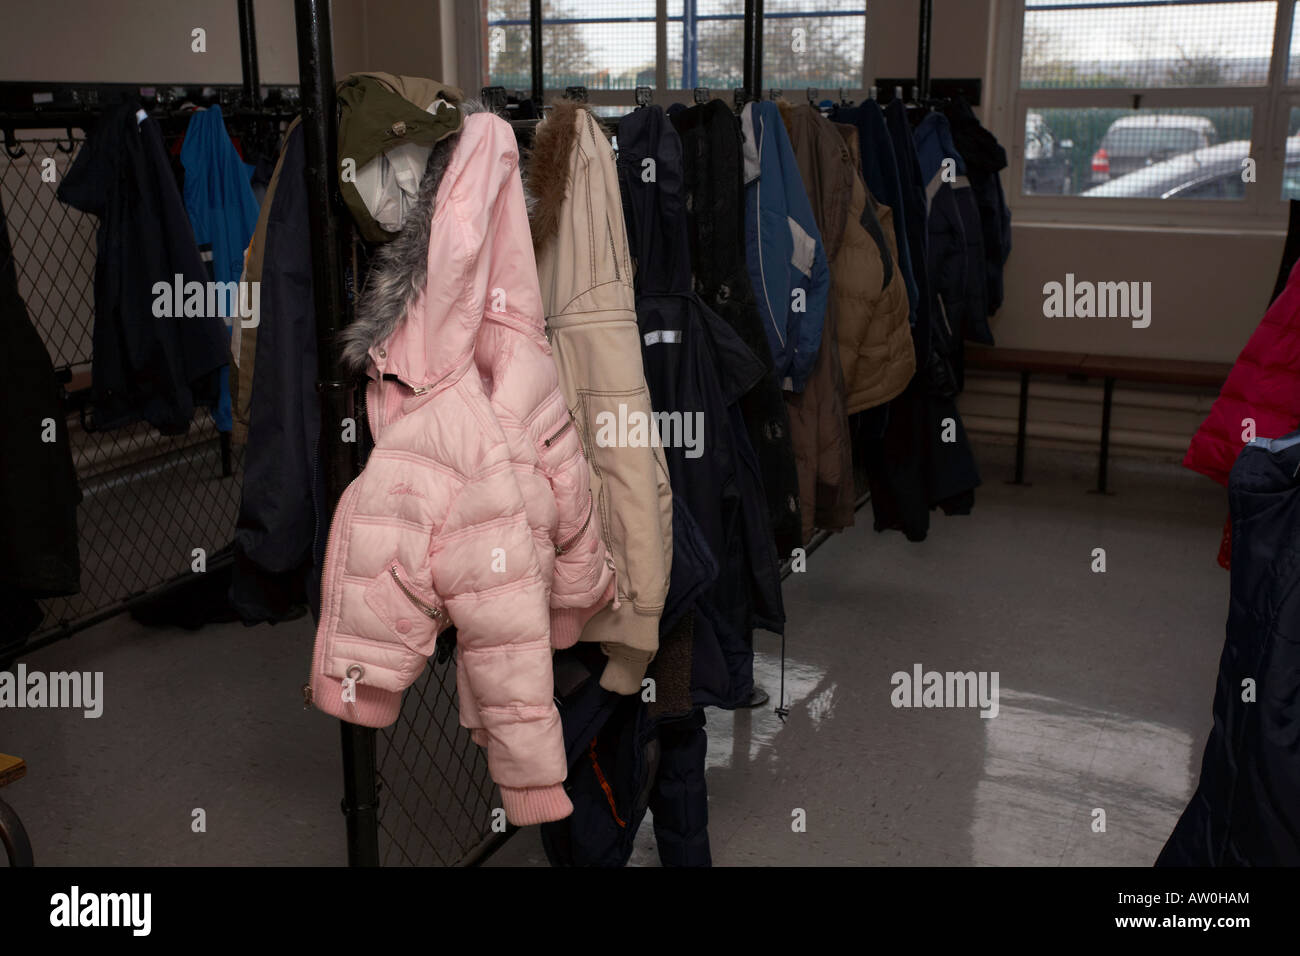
413 615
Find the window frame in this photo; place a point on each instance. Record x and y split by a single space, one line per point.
1263 209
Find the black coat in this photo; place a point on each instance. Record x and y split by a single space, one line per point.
144 366
698 366
912 468
39 555
713 169
623 761
1246 809
278 520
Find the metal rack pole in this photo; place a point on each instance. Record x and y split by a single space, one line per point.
535 47
753 41
923 48
320 139
248 55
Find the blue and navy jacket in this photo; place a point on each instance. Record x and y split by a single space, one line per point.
783 248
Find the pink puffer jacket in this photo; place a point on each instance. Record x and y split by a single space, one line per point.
474 508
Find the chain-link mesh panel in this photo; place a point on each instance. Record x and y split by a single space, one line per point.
148 500
1089 44
54 250
436 798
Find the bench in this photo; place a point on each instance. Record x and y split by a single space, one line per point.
13 836
1109 368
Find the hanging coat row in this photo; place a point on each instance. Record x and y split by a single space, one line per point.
739 301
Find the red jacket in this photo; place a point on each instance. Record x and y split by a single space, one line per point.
1264 385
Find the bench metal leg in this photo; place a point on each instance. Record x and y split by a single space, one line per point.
1020 429
1103 460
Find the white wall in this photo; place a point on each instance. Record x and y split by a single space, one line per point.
144 41
148 41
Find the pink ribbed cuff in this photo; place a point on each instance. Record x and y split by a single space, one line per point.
530 805
373 708
567 622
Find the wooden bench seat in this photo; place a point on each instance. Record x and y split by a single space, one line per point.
1109 368
11 769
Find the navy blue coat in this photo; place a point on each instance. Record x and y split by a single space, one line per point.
985 159
714 182
880 173
696 365
1246 808
278 526
144 367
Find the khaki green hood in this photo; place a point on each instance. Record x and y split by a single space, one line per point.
380 112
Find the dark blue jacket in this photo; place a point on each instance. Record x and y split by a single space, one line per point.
783 248
985 159
880 172
715 191
697 367
144 367
276 534
913 214
956 253
1246 808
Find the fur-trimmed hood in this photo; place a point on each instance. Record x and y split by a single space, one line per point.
546 179
398 275
576 215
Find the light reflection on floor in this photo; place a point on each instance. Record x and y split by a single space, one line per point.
1049 764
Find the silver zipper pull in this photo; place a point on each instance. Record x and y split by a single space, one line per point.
306 696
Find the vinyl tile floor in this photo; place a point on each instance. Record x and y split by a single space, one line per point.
1104 686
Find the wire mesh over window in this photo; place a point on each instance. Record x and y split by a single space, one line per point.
1143 44
814 44
583 44
436 798
706 48
1174 153
817 44
509 45
148 500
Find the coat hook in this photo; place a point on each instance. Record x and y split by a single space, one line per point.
12 146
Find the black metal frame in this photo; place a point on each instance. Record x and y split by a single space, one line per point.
329 239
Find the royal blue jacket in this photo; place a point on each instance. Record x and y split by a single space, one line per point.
783 248
221 207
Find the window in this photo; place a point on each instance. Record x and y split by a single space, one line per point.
1153 100
813 45
611 48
